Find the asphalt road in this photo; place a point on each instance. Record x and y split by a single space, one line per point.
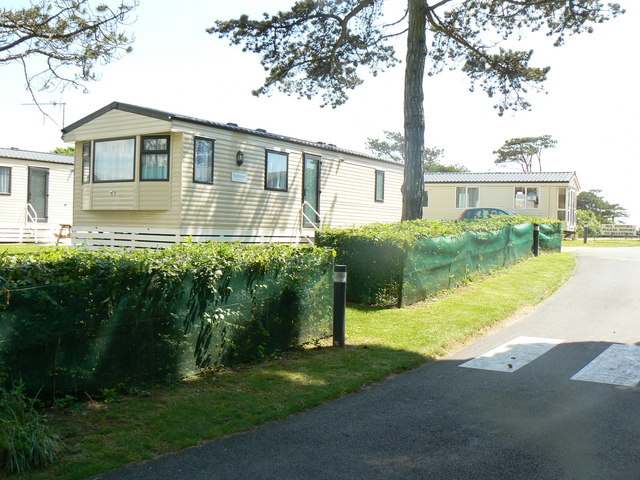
523 418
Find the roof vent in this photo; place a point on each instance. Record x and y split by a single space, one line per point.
261 130
231 124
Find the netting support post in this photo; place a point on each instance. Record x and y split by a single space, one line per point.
536 240
339 304
586 232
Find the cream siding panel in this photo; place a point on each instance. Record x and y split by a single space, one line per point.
347 187
59 202
229 205
442 203
115 124
114 196
12 206
442 199
154 196
348 192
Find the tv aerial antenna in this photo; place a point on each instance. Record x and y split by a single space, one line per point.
63 106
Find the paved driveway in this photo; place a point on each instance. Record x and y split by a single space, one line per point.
552 395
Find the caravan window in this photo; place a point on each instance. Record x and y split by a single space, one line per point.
527 197
379 186
425 199
86 162
467 197
5 180
114 160
276 171
154 158
203 160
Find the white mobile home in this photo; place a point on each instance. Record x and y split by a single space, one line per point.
535 194
152 178
36 195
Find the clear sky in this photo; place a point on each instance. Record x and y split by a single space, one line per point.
591 106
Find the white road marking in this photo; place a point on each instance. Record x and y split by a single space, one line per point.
617 365
513 355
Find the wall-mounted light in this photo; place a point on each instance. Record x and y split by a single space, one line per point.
239 157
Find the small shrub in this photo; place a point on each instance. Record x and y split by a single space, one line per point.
25 439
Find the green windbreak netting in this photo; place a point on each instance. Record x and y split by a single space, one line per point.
435 264
129 322
551 237
374 271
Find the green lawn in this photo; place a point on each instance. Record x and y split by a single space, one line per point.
25 248
602 242
102 436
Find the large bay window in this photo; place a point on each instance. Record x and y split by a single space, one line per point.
467 197
114 160
527 197
276 171
154 158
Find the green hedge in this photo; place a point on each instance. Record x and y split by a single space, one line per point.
401 263
75 321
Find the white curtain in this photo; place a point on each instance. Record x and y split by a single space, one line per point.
276 171
114 160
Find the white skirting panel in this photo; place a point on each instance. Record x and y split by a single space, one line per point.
96 237
40 233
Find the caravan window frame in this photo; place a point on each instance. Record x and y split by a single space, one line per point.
379 186
268 182
132 178
155 152
210 161
9 175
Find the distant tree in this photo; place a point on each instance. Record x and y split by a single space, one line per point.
604 211
64 150
59 42
588 218
392 147
319 47
524 150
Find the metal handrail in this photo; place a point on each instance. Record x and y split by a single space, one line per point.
31 216
304 216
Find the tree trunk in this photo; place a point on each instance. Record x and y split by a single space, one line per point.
414 125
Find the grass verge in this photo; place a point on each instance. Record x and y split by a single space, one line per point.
26 248
602 242
103 436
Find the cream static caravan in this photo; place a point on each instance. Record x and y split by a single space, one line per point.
36 195
535 194
151 178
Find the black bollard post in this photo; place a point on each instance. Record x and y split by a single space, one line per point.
586 232
339 304
536 240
